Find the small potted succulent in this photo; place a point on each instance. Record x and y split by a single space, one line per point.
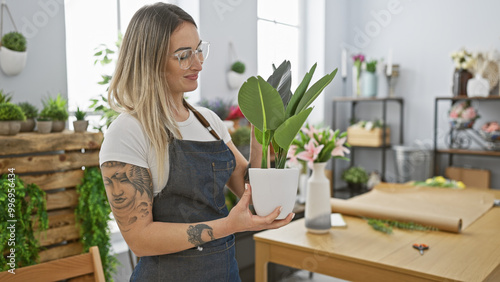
31 112
80 125
55 109
11 117
235 76
44 124
356 177
13 53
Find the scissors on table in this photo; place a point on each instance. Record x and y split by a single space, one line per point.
421 247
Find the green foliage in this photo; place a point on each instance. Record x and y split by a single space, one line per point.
14 41
10 111
231 199
238 67
28 109
218 105
241 136
5 97
29 205
101 105
371 66
92 214
55 108
355 174
43 118
277 114
386 226
80 115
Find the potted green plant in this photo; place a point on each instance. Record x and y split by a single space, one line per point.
13 53
31 112
43 124
235 76
55 109
278 116
356 177
80 125
11 116
370 80
5 97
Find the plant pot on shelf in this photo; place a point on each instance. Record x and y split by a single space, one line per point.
355 187
369 84
12 62
28 125
80 125
272 188
44 126
235 80
10 127
58 125
318 208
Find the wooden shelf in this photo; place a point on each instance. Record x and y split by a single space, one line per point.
361 99
470 152
491 97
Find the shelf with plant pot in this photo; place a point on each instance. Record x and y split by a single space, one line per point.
383 142
459 139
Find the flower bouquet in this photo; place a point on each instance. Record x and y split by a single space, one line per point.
462 115
318 145
490 131
439 181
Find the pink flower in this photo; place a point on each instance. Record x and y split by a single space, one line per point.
340 150
469 114
453 114
310 131
291 154
311 153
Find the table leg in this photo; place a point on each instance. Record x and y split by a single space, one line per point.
261 261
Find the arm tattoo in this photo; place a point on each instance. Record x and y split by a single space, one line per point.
195 233
130 192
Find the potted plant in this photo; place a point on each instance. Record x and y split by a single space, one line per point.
10 119
277 116
5 97
356 178
55 109
369 84
31 112
80 124
235 76
44 124
13 53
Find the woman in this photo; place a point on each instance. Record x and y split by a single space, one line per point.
176 158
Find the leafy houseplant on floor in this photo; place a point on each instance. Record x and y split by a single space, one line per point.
31 112
277 116
356 177
55 109
11 117
80 124
13 53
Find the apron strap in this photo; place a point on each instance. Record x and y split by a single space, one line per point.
202 119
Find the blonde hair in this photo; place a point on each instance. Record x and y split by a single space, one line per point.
139 86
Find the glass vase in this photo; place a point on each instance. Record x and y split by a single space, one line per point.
318 208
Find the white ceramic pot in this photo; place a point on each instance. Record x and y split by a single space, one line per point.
10 127
12 62
235 80
318 209
44 126
80 125
272 188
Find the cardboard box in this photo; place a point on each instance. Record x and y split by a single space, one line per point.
357 136
477 178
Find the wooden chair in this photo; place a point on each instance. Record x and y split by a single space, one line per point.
59 269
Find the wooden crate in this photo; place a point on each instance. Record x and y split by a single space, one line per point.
357 136
54 162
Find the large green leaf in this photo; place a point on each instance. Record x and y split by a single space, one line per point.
285 134
281 79
261 104
299 92
313 92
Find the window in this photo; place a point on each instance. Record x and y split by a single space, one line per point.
278 33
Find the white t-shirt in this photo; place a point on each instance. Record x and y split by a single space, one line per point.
125 141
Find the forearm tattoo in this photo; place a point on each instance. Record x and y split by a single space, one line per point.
195 233
130 192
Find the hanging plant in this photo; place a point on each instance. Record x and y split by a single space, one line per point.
92 214
17 239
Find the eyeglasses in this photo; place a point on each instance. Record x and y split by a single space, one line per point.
186 57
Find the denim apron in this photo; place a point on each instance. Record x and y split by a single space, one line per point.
194 193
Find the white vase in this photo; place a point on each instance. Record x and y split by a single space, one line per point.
478 87
356 89
318 210
272 188
303 188
12 62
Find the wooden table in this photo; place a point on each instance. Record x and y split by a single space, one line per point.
359 253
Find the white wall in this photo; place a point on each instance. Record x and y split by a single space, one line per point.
42 22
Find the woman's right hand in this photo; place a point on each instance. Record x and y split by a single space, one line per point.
241 218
